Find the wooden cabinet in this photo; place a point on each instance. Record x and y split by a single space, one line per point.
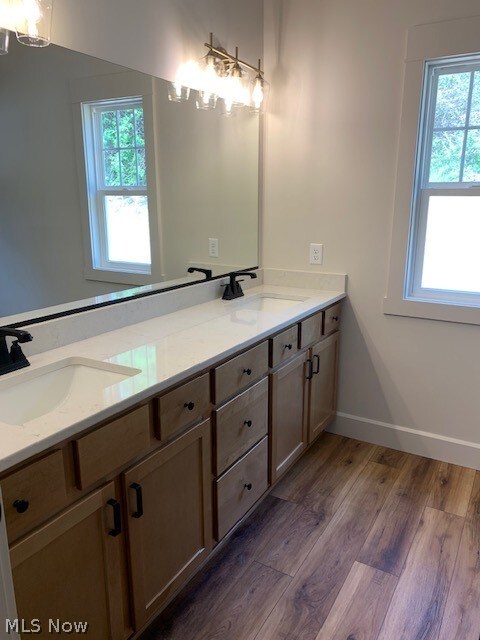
168 498
288 415
73 569
184 406
323 385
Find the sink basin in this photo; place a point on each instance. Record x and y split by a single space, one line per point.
270 303
59 387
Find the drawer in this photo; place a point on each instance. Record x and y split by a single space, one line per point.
311 330
284 346
241 486
33 494
183 406
239 424
332 319
240 372
102 451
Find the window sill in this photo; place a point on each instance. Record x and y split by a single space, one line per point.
118 277
431 310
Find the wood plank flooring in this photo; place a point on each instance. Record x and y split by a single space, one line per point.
356 542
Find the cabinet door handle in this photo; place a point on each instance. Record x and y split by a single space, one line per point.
21 505
248 372
316 358
288 346
310 369
335 318
117 521
248 486
189 405
248 423
138 492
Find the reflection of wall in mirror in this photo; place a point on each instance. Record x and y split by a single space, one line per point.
207 183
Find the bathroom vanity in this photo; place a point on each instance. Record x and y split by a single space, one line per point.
109 515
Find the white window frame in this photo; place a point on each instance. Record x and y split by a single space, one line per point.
96 189
428 45
424 189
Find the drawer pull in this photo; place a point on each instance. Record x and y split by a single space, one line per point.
117 522
316 359
21 505
288 346
189 405
335 318
248 486
248 372
138 491
248 423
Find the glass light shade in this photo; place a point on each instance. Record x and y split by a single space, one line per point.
177 92
4 41
33 21
206 101
259 91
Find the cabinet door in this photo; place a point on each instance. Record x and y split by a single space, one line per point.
288 415
73 569
323 385
169 518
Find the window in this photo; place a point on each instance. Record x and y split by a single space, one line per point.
114 144
444 247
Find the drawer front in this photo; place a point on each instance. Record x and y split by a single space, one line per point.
240 372
239 424
102 451
311 330
283 346
182 407
240 487
332 319
33 494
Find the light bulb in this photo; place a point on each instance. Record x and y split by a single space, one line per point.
208 92
257 94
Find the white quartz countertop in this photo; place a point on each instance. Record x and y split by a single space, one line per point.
166 350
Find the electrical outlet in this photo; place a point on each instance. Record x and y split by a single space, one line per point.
213 247
316 253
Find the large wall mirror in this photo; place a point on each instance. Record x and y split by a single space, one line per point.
109 190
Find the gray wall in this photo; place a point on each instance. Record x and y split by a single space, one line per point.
336 68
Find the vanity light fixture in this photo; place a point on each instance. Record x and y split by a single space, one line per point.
220 75
30 19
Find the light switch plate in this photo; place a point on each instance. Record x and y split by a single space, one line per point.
213 247
316 253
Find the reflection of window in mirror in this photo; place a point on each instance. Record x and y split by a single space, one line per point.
115 162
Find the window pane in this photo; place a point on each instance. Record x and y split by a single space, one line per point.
128 232
139 128
452 100
142 168
109 129
475 108
129 167
471 172
111 165
446 155
452 258
126 132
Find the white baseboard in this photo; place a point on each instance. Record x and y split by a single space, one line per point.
423 443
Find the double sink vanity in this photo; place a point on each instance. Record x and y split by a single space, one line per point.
128 457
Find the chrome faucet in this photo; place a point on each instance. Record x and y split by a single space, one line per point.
233 289
15 358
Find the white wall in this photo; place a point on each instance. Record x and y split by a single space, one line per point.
336 68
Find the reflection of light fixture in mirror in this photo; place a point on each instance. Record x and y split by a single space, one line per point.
188 77
4 41
209 84
33 21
